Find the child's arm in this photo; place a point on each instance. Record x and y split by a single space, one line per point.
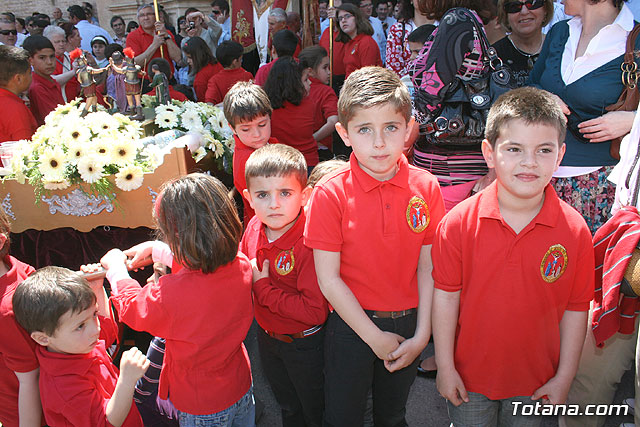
133 365
445 318
29 406
411 348
326 129
97 286
347 306
573 329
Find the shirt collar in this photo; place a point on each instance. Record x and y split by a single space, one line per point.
368 183
624 20
287 240
50 83
5 93
488 206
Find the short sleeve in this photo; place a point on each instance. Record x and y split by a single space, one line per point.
17 349
436 213
447 256
582 291
323 229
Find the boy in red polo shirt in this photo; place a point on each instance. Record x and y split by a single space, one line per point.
284 44
248 112
44 93
513 272
371 226
288 304
71 320
229 55
16 121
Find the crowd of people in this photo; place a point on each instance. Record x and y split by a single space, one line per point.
487 246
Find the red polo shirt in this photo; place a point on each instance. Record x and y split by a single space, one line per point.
16 121
44 96
204 318
241 154
76 388
379 228
360 52
514 288
202 79
294 125
289 300
326 98
221 82
139 40
17 349
338 52
263 73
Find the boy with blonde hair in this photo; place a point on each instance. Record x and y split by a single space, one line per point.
371 226
513 273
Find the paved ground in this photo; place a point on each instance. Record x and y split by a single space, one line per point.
425 407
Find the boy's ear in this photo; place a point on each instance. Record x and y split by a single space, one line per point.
561 151
247 195
306 194
3 239
342 131
40 337
487 152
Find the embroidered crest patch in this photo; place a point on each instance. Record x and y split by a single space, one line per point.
554 262
285 262
418 214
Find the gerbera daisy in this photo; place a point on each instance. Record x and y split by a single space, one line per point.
129 178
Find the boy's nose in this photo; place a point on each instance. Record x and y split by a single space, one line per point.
378 141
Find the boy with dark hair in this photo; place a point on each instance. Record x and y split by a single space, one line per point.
418 37
248 110
513 272
71 320
285 43
229 55
288 304
19 392
45 93
16 121
371 225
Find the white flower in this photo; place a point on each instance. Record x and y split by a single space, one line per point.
155 155
123 152
90 169
74 131
103 151
191 120
52 162
129 178
175 109
76 151
166 120
101 123
217 148
60 184
199 154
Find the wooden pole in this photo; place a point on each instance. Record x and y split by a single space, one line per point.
155 9
330 47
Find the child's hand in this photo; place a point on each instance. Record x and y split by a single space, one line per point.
404 355
133 365
554 392
260 273
139 255
451 387
92 268
385 344
113 258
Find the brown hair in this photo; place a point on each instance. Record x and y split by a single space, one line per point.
44 297
199 221
529 104
276 160
363 26
503 16
369 87
5 228
244 102
324 168
435 9
14 60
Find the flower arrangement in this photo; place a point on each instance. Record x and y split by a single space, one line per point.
203 119
69 149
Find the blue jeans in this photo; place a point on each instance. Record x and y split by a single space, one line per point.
480 411
240 414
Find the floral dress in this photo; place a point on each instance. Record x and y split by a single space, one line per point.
398 52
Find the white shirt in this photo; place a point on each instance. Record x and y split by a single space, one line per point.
608 44
379 37
88 32
628 150
226 31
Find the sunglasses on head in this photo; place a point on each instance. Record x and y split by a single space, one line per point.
7 32
516 6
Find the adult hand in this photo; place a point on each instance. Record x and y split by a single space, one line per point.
451 387
608 126
561 103
331 13
161 29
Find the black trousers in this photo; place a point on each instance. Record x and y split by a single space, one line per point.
295 373
351 368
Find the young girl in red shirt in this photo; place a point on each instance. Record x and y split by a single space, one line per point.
202 64
203 308
360 49
315 61
296 117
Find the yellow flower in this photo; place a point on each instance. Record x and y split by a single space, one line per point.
123 152
129 178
